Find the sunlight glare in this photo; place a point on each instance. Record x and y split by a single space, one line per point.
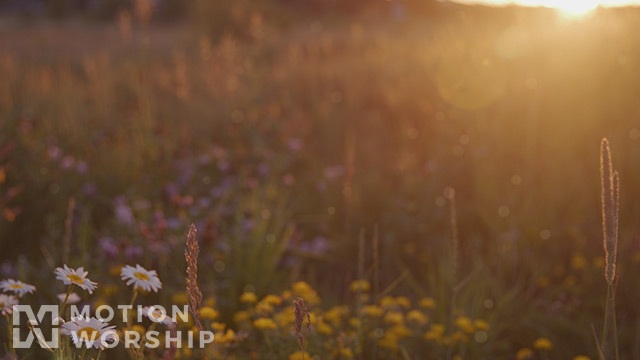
576 7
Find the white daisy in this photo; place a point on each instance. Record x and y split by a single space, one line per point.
157 315
76 277
16 286
141 278
73 298
90 332
6 304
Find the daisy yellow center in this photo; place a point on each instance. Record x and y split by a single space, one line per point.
75 279
141 276
88 334
1 305
16 286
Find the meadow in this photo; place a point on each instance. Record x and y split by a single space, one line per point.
427 181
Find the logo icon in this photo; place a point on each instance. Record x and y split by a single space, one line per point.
34 323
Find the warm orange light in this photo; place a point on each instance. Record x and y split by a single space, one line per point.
576 7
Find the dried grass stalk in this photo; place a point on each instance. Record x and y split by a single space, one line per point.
193 291
301 313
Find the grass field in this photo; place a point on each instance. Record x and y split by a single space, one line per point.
429 185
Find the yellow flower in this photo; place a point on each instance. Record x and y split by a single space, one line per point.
264 323
417 317
241 316
221 338
324 328
387 302
217 326
360 286
544 281
464 324
179 298
394 318
336 314
372 311
403 301
186 352
274 300
427 303
305 291
543 344
138 328
115 270
390 302
248 297
481 324
207 312
389 341
524 354
210 301
354 322
285 317
579 262
264 308
399 331
286 295
459 336
581 357
299 355
343 353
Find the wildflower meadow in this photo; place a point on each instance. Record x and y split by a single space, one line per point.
319 179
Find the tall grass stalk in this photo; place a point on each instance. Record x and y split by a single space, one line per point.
610 184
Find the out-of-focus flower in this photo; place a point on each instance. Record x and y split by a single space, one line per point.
394 317
133 252
264 323
6 304
156 315
54 153
543 344
305 291
464 324
333 172
524 354
67 162
89 189
248 297
417 317
209 313
360 286
299 355
123 212
89 332
427 303
108 246
76 277
294 144
73 298
372 311
16 287
481 324
82 167
141 278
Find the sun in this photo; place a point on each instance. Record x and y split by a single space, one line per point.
576 7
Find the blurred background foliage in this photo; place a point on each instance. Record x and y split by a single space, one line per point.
284 128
